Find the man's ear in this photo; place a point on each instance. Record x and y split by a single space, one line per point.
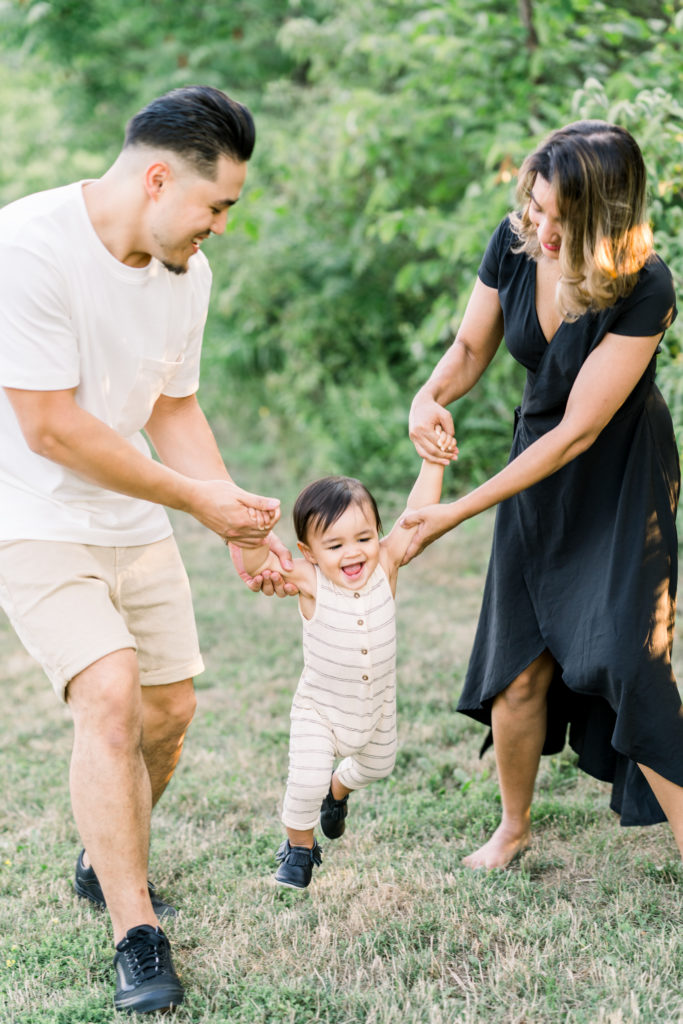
157 177
306 552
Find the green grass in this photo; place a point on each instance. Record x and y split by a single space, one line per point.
584 929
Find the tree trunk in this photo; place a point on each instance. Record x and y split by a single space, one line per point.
526 13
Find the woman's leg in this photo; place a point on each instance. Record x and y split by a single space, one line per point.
518 721
670 797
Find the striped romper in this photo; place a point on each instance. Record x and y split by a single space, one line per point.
345 703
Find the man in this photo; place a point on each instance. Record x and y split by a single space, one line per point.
103 299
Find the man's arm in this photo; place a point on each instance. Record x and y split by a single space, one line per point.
183 439
56 427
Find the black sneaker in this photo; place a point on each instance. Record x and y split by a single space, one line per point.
145 977
332 815
87 885
296 864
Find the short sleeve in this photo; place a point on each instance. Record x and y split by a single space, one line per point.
38 346
498 247
651 306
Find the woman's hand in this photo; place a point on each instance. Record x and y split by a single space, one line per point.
431 430
429 522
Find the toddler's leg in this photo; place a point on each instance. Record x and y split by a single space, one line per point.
311 759
311 756
374 761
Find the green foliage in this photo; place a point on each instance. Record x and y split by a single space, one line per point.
389 134
385 173
110 59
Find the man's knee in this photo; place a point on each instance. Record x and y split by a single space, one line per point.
105 699
183 706
168 710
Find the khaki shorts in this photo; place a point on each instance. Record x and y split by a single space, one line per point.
72 604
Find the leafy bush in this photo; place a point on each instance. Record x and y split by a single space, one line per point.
388 139
384 174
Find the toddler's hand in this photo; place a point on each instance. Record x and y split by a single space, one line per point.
445 442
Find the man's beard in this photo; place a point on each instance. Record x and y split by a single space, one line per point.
175 268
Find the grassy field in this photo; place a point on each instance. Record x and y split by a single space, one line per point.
585 929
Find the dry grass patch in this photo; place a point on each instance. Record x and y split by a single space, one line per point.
584 929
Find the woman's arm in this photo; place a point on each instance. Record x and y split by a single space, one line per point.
603 384
457 371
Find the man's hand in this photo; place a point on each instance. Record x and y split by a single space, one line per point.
236 515
269 581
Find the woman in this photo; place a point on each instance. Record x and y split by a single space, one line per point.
577 618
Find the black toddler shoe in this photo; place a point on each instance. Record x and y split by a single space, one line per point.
332 815
296 864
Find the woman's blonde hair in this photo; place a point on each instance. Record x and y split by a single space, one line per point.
600 183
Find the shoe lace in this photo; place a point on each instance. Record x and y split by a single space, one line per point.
145 954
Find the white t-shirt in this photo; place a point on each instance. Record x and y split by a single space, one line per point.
73 316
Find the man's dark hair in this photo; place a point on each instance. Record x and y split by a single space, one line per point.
323 502
197 122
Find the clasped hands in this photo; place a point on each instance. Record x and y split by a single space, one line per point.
436 444
432 433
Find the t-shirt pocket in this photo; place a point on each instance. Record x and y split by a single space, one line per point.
151 378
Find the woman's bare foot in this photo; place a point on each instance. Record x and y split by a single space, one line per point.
501 849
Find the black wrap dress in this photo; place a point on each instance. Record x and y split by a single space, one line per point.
584 563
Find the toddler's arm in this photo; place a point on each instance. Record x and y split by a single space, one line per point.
427 488
255 559
425 491
251 562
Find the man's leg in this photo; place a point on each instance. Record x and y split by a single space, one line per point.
110 785
166 713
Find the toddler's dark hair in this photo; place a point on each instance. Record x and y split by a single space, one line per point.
324 501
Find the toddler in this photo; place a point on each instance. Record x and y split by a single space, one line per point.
345 702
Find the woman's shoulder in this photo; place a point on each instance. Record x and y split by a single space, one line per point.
500 252
651 306
504 235
656 277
